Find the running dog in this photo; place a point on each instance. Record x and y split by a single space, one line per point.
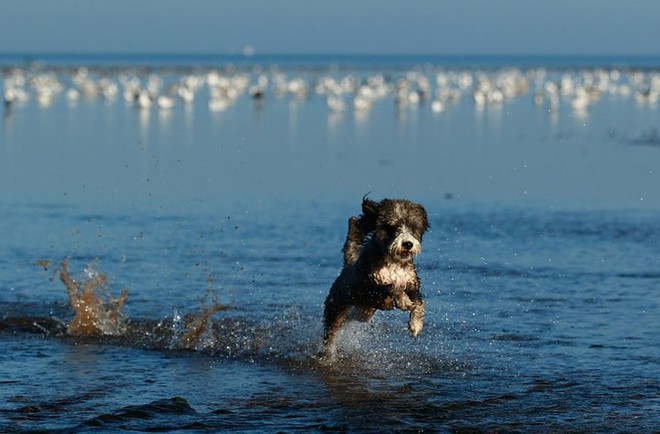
379 271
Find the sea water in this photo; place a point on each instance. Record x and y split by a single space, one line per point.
540 271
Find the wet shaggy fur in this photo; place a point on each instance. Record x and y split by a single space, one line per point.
379 271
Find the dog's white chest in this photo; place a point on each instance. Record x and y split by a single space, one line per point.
397 276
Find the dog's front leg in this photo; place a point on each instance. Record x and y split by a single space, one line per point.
416 321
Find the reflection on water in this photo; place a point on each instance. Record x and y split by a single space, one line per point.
467 133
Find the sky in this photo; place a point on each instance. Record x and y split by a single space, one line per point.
439 27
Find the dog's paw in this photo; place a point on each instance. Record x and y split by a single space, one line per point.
326 357
415 327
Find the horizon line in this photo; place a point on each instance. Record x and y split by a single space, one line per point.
310 54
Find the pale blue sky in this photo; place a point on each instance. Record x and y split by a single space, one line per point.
597 27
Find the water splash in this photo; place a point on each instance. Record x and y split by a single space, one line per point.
290 339
95 315
194 331
99 315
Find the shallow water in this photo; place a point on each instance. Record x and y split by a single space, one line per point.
540 270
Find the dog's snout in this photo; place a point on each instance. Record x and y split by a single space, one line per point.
408 245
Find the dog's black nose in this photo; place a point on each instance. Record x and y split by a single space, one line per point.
407 245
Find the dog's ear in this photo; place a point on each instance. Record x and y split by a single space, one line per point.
370 207
422 217
370 211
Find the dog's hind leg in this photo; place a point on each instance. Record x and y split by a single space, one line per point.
333 316
365 314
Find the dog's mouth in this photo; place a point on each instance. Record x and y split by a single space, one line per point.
405 254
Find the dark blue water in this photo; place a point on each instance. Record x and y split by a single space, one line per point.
540 272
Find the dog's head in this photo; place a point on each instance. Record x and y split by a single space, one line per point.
396 225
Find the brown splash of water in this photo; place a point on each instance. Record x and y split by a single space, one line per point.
94 315
98 316
197 324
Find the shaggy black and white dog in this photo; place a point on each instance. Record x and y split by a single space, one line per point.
379 272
